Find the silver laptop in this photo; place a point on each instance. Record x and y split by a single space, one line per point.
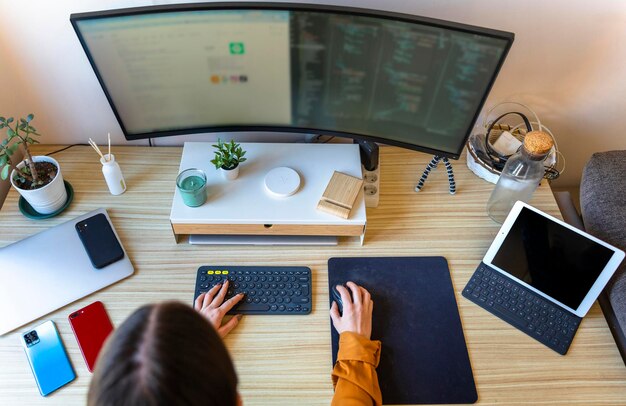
542 275
48 270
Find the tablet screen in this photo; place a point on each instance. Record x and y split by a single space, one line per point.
551 258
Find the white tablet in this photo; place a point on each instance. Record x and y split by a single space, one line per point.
559 262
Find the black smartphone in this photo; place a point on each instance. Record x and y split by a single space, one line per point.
99 240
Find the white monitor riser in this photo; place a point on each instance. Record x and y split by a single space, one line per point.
244 206
264 240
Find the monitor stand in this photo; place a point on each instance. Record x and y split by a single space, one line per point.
196 239
245 206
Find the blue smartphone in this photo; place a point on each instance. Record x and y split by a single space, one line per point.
47 357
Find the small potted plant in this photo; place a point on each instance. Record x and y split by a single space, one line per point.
228 156
38 179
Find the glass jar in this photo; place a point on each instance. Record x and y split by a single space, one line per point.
520 176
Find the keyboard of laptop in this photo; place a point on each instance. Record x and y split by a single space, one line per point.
522 308
267 290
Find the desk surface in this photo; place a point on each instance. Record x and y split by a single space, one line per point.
284 360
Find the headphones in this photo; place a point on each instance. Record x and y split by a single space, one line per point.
499 160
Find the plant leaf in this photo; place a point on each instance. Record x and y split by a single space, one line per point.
3 159
5 172
10 132
10 120
30 117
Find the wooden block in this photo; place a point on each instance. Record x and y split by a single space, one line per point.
340 194
331 208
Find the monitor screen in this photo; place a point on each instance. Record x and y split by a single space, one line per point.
374 75
553 259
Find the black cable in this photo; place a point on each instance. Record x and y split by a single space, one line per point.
68 147
498 161
150 141
328 139
551 173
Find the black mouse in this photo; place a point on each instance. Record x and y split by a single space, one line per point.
336 296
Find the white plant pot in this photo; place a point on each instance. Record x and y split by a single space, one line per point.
230 174
49 198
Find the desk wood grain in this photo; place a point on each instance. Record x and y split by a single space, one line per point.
285 360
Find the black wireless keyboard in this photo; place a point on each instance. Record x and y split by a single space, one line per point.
522 308
267 289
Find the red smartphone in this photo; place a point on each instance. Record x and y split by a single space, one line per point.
91 326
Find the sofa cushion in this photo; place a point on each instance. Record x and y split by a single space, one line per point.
603 205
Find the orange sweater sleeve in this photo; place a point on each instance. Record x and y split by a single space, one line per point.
354 375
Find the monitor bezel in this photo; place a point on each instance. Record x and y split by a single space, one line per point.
488 32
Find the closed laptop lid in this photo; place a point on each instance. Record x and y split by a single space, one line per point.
49 270
558 261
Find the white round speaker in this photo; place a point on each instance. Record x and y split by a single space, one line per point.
282 181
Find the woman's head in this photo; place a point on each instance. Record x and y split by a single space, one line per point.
164 354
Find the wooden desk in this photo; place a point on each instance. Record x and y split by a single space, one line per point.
285 360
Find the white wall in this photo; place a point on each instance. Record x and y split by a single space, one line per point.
566 62
10 80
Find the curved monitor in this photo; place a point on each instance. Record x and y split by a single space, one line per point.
216 67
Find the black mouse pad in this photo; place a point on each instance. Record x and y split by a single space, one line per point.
424 358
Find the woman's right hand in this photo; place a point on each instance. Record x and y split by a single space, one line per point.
212 306
357 311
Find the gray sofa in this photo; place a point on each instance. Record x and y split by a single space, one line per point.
603 206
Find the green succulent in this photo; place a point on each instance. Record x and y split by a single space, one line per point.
19 134
228 155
